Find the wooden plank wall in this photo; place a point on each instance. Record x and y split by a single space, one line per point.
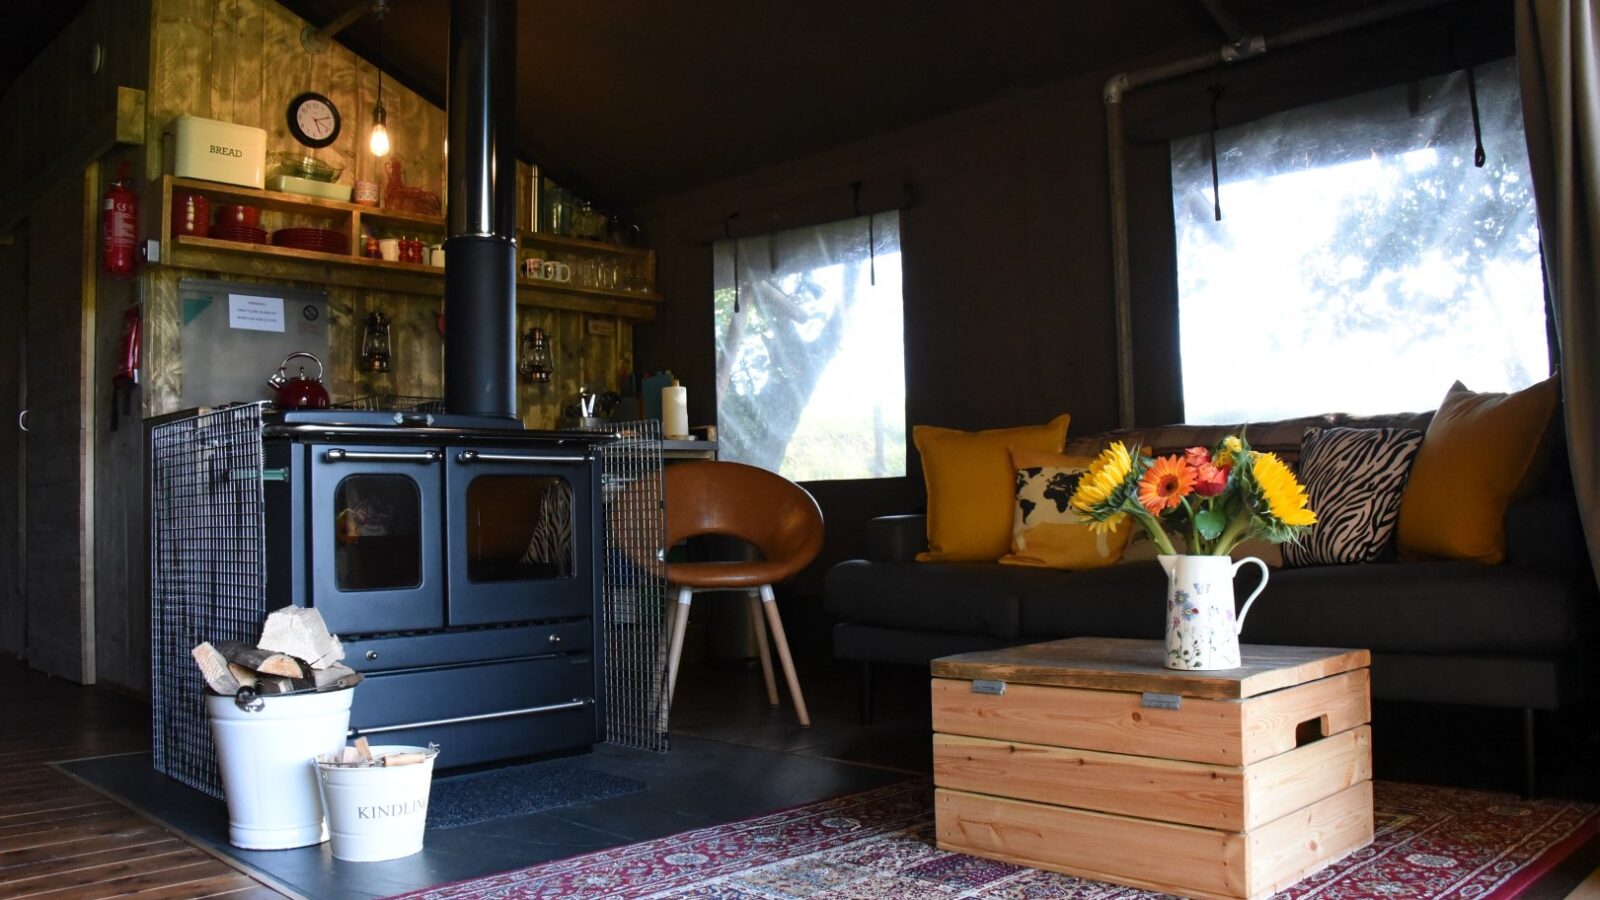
13 310
121 559
242 61
47 107
58 481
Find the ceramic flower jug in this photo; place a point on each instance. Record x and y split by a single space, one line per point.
1202 631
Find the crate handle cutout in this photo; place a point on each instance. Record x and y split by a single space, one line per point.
1311 731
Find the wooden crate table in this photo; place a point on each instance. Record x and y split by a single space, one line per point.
1087 756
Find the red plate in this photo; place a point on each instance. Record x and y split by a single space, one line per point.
241 233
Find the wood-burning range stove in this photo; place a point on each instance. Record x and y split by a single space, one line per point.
492 583
457 558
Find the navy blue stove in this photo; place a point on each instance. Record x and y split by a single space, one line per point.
456 558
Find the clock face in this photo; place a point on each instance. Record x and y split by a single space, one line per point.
313 120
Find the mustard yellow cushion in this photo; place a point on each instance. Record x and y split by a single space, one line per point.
1044 530
970 492
1473 461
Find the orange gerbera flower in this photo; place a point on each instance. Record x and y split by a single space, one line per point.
1164 485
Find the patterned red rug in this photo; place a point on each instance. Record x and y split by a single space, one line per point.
1431 842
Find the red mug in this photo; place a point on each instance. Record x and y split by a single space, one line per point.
191 215
238 214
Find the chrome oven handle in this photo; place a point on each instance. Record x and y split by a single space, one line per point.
474 456
341 455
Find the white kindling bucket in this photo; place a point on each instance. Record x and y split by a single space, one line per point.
262 749
377 812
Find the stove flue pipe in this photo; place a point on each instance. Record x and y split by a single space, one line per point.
480 286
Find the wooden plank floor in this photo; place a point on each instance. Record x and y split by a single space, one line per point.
60 840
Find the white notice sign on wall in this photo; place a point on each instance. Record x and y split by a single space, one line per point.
255 313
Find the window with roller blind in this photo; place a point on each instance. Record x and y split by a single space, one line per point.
811 352
1363 263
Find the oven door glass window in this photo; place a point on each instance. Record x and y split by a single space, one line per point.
377 532
519 528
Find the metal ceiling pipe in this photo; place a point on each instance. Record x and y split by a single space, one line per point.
480 285
1118 85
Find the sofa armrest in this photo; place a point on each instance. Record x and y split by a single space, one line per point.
1543 531
896 538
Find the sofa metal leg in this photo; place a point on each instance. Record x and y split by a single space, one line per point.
1528 764
868 690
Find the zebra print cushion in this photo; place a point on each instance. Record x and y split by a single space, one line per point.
1354 478
551 543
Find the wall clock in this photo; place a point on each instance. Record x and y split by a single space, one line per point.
314 120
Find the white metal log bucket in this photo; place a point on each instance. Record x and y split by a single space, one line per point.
262 750
377 812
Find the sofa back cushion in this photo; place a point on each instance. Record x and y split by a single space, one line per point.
970 486
1481 452
1353 479
1281 437
1045 531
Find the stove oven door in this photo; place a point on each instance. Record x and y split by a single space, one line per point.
377 566
520 526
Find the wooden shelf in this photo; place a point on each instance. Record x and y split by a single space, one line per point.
291 264
542 239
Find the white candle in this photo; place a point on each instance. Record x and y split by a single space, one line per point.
675 411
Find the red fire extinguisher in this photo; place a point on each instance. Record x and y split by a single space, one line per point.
119 224
126 375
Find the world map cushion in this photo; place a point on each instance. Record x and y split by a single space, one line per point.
1044 529
1354 479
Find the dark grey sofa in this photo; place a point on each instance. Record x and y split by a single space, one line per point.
1512 635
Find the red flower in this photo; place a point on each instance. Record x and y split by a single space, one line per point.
1209 480
1197 456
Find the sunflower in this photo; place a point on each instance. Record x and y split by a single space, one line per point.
1285 496
1164 485
1103 489
1106 474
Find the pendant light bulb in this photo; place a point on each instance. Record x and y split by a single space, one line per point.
379 142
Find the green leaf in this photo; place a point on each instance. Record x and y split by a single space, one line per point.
1209 523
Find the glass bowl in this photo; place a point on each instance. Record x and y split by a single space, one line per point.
303 165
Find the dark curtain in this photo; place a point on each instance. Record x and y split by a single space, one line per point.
1558 53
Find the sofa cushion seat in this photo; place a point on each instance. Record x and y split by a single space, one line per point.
1121 601
958 598
1425 607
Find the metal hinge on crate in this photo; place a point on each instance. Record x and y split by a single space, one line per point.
988 686
1160 701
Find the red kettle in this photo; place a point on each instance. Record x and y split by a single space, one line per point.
298 392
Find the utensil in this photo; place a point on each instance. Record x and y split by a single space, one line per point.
299 391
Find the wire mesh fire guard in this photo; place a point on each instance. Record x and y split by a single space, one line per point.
207 572
208 576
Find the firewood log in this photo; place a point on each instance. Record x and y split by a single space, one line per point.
301 633
214 666
266 662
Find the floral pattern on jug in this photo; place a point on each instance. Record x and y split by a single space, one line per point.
1202 630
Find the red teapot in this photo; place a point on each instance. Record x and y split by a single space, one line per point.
299 392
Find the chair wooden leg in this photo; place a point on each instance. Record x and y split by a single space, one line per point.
679 623
760 629
775 624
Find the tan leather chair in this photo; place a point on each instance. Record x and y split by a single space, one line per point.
754 505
